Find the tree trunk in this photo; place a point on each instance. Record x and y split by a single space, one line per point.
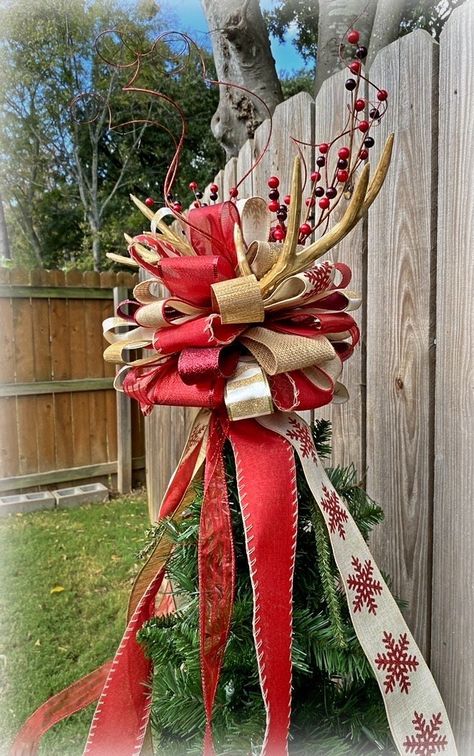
242 56
386 27
4 241
335 18
95 227
96 248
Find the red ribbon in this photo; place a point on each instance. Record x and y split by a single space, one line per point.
266 479
216 566
196 358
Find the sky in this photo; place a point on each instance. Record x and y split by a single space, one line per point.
191 19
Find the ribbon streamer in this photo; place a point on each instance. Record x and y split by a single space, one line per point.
250 333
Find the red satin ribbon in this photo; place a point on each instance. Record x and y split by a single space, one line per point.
190 278
203 365
152 385
266 479
122 714
204 331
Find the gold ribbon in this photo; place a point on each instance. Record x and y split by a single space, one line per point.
239 300
282 352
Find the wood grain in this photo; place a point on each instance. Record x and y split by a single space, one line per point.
82 421
262 170
229 179
244 163
453 532
348 420
292 118
400 328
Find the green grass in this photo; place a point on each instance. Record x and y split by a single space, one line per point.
48 640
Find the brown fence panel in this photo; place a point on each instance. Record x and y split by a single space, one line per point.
58 418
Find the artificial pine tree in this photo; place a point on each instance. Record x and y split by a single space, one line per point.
337 706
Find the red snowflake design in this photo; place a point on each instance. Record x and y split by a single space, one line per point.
336 511
427 740
396 662
363 583
319 277
300 432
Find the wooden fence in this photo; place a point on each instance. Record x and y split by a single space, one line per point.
58 408
409 421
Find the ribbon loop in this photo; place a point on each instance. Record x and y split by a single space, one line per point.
280 353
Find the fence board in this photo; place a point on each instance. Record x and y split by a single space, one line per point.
41 341
23 328
453 554
348 420
95 367
9 452
263 169
229 179
7 363
166 430
26 429
292 118
45 432
244 162
399 327
64 449
81 415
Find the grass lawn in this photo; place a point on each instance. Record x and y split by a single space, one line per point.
50 638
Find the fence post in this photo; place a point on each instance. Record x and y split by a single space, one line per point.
124 423
452 613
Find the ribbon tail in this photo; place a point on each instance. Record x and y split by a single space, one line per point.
415 710
65 703
121 718
216 567
266 479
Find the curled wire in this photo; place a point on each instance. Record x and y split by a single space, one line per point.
120 50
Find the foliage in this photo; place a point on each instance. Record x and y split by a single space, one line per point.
299 81
337 707
66 185
303 14
49 639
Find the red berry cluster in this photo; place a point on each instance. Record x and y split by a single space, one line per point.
327 188
275 206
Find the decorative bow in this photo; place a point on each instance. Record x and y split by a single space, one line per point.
251 330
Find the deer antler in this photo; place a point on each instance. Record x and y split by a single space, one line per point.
379 175
290 262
